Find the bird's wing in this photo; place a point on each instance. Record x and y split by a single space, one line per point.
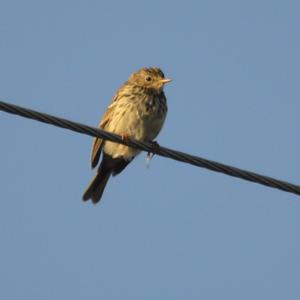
98 142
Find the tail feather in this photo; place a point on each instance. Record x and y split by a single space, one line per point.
95 189
108 166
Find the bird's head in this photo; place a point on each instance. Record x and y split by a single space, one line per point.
150 78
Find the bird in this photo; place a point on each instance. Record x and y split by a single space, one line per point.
138 110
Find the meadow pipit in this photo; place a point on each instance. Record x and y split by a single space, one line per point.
138 110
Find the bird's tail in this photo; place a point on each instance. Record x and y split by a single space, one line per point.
96 187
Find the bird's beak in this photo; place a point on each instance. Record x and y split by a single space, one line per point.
165 80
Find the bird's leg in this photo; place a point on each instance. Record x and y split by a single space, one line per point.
155 146
125 136
150 155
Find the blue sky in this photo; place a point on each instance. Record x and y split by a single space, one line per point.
172 231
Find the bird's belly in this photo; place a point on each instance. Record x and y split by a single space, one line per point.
130 127
137 125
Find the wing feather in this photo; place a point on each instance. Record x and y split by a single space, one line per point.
98 142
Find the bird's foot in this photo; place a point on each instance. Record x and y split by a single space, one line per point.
125 136
155 146
150 155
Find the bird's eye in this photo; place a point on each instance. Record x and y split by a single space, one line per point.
148 78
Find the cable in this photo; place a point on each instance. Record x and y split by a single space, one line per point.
150 147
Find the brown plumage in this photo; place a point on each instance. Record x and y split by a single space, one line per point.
138 110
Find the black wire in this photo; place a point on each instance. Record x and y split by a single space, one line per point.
149 147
